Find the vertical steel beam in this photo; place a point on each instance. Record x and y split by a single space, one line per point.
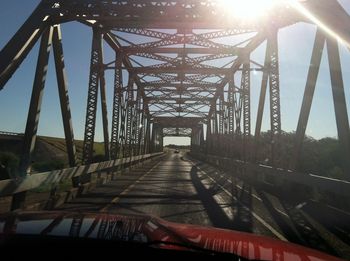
141 135
221 114
63 93
201 142
101 75
193 141
117 102
160 137
275 110
215 122
308 96
129 115
18 199
148 135
245 86
91 108
137 123
238 111
231 107
35 102
153 138
341 114
245 97
122 140
262 98
208 136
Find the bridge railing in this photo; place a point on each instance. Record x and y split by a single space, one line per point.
80 177
314 186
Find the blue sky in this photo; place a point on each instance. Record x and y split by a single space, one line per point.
295 44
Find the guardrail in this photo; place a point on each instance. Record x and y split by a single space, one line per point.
10 133
79 176
285 179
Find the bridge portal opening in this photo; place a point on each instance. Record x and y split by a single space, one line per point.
177 141
177 137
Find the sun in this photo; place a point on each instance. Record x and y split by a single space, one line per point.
247 9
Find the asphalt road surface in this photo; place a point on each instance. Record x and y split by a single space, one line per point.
180 189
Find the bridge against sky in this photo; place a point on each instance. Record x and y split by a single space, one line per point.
186 69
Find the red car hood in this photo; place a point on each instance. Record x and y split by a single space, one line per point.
147 229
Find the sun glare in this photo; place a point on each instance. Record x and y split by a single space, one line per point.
247 9
319 23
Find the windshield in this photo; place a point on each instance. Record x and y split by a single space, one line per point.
225 114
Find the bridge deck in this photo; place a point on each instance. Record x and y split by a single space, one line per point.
179 189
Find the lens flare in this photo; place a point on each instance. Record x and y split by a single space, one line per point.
308 14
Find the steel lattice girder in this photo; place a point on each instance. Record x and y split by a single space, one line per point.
92 97
177 122
177 132
180 55
161 14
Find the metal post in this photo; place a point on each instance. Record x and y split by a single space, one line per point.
275 110
138 123
101 76
91 108
238 111
262 99
35 102
341 114
142 133
63 93
221 114
202 137
216 124
153 139
147 135
122 140
117 100
245 88
207 139
308 96
231 110
192 140
18 199
129 115
160 137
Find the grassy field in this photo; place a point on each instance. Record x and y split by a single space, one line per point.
60 144
47 149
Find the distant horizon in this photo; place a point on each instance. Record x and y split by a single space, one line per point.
169 140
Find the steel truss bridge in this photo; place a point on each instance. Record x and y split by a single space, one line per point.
183 79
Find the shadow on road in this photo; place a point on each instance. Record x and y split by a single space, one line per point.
242 219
